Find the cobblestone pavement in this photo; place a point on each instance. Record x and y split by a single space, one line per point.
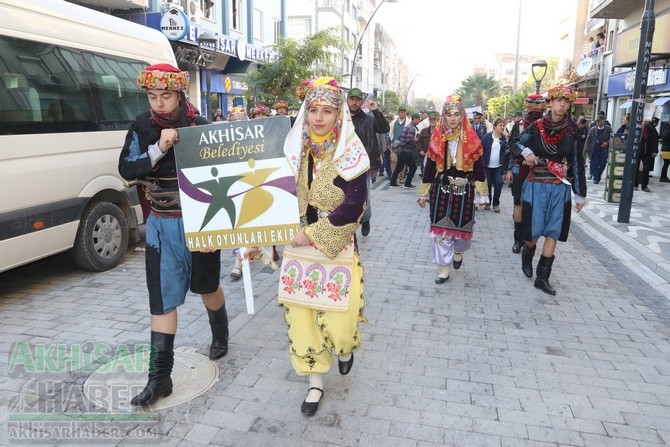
485 359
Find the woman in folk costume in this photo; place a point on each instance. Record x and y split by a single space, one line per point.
454 181
549 148
331 168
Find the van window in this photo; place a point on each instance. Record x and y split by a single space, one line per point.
52 89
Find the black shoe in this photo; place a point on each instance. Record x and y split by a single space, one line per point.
664 180
394 185
309 408
345 367
457 264
365 228
441 278
516 248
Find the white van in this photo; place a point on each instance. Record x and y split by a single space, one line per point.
67 97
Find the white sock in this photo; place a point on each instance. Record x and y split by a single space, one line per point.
315 381
344 357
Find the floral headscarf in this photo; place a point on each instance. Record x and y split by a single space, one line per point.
163 77
469 148
261 109
237 114
535 106
561 92
280 104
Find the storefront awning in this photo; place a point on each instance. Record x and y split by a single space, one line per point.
662 100
626 105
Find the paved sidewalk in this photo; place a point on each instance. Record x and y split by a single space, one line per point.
485 359
646 236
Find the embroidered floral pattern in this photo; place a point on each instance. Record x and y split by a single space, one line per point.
161 80
318 278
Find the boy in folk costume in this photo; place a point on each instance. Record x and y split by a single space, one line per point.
556 166
516 173
171 270
454 181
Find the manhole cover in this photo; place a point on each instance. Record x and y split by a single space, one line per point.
113 385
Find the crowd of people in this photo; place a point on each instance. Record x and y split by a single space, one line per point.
338 144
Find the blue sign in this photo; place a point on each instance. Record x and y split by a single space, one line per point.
622 84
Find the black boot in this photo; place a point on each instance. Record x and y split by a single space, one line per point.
543 273
161 360
527 260
516 248
218 321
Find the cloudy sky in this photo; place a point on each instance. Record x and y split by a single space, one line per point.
442 40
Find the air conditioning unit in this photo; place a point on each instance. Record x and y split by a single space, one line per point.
194 12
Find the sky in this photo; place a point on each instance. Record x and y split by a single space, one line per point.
441 40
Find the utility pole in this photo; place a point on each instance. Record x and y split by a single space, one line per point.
647 25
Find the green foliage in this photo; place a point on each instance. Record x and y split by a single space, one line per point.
389 102
477 89
424 104
515 103
296 61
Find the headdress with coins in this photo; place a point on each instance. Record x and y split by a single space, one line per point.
324 91
163 77
349 155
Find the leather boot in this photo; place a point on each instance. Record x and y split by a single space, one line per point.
543 273
527 260
516 248
161 360
218 322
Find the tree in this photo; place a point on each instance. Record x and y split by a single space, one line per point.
389 101
424 104
477 89
515 103
295 62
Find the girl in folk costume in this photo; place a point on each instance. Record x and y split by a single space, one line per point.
454 182
556 165
331 167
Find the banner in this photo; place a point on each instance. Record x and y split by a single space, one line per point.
236 187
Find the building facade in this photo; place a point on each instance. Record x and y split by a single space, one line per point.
216 41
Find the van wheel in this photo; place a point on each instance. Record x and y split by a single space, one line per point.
102 238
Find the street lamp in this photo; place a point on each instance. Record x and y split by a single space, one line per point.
538 69
360 39
207 39
410 86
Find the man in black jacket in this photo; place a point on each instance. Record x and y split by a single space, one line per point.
367 126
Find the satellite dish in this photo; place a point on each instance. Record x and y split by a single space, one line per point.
584 66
